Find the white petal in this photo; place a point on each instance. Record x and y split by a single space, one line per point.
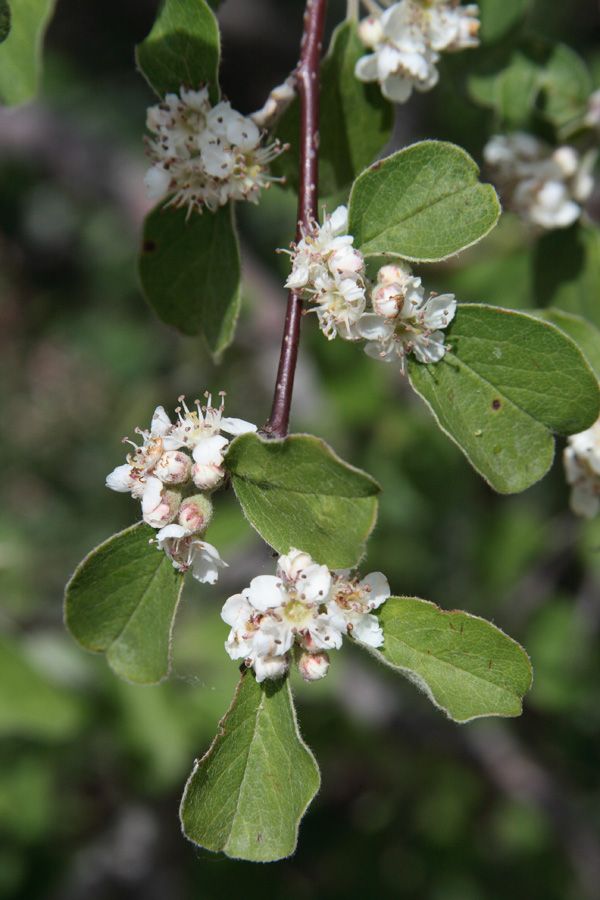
379 589
265 592
368 630
120 479
237 426
207 451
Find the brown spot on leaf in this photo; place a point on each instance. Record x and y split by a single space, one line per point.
496 404
149 246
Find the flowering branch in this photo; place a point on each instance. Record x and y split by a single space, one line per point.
307 80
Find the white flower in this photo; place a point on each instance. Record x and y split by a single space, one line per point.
328 272
279 611
582 468
404 321
173 472
205 156
407 39
545 187
133 476
352 603
305 608
189 553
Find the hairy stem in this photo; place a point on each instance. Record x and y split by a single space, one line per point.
307 81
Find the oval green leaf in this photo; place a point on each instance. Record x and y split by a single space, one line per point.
356 124
183 48
507 381
467 667
298 493
23 26
122 600
246 796
190 272
424 203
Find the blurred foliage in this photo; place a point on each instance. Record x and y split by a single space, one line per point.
412 806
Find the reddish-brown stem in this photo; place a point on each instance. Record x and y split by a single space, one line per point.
307 80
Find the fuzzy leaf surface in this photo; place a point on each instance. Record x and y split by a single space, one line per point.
298 493
22 28
121 601
585 335
508 381
423 203
191 272
357 124
183 48
465 665
246 796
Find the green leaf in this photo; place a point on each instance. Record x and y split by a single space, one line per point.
21 49
4 20
507 382
190 272
585 335
567 270
355 124
122 601
298 493
246 796
465 665
423 203
499 16
564 86
182 49
30 705
539 78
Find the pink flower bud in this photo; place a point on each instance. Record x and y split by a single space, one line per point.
173 467
195 513
206 476
393 274
346 261
388 300
159 506
312 666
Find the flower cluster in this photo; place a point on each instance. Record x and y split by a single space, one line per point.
203 155
545 187
404 320
330 273
582 466
407 39
172 472
304 608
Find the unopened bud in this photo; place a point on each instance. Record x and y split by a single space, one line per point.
270 666
159 507
207 477
393 274
173 467
346 261
370 31
195 513
312 666
388 300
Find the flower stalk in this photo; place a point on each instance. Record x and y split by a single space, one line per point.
307 82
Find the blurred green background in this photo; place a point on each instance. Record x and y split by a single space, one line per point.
411 806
